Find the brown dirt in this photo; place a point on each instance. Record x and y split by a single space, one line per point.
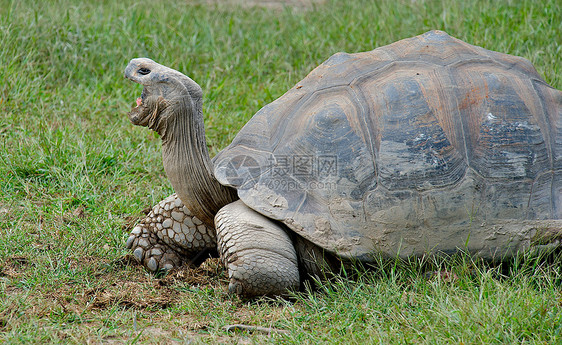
142 291
124 285
14 266
210 273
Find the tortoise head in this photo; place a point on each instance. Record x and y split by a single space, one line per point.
167 94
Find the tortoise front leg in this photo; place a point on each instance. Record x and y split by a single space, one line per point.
257 252
169 236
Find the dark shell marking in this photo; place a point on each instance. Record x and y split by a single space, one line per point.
427 144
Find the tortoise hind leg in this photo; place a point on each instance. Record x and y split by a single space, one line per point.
257 252
316 264
169 236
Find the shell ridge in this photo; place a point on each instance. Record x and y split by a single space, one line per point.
300 206
550 142
546 130
461 121
368 128
523 66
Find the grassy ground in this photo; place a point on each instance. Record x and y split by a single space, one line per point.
75 174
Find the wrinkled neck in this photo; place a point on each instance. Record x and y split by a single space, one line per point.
188 165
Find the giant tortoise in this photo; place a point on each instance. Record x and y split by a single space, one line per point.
428 145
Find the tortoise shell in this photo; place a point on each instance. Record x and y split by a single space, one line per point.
427 144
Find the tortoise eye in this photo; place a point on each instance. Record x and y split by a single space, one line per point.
144 71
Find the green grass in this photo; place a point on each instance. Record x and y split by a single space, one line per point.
75 174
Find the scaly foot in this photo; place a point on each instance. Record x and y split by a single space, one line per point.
169 236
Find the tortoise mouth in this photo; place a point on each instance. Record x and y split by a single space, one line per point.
139 112
140 100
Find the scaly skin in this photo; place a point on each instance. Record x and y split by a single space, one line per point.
170 236
257 252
